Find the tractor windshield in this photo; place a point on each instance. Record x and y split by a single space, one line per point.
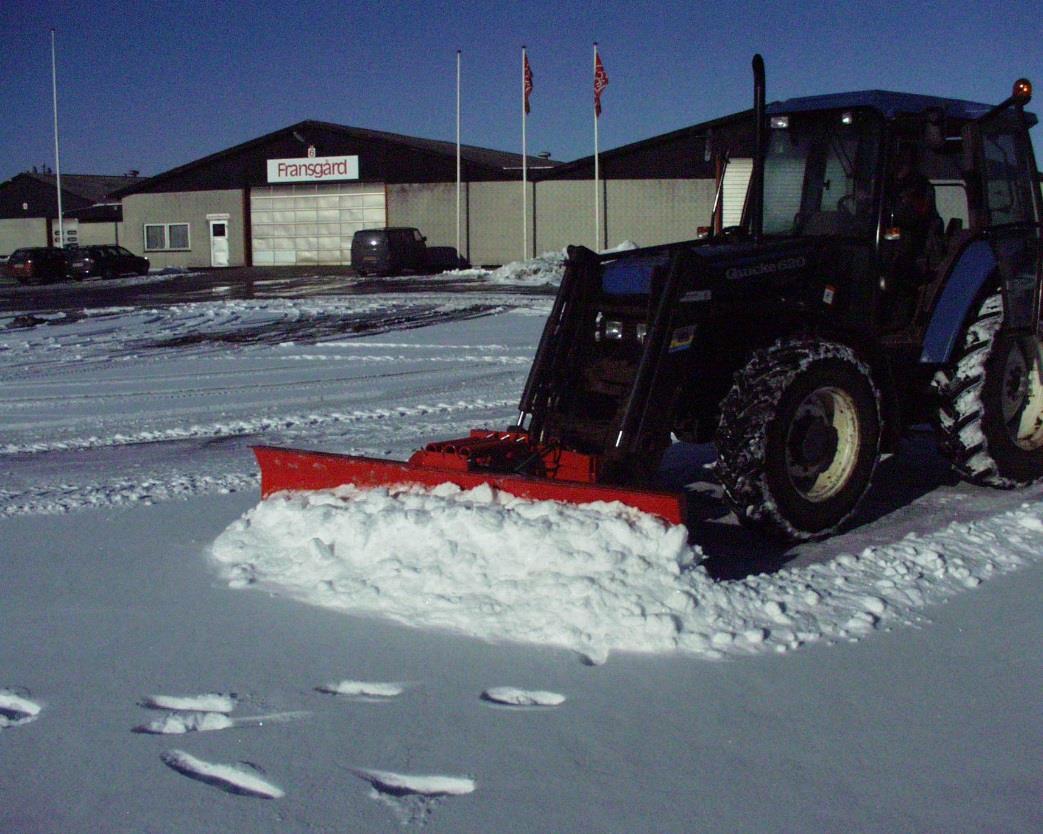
819 174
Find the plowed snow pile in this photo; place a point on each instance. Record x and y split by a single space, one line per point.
545 269
593 579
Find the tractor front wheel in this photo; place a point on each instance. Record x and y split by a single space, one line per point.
990 415
799 438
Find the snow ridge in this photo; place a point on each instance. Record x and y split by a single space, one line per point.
593 579
239 428
16 709
363 690
210 702
509 696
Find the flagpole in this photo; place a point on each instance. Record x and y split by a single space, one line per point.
525 170
458 165
57 162
597 170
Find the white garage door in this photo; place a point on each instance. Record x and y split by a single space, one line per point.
736 183
312 223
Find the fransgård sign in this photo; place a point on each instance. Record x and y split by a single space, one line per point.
313 169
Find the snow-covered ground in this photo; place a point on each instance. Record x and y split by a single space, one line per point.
464 661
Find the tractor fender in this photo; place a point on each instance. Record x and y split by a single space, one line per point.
974 268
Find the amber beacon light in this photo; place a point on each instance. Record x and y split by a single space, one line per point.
1023 90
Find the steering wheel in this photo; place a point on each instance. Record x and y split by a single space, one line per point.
848 204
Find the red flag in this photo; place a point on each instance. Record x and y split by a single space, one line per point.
600 83
527 73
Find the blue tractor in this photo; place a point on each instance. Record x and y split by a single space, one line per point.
887 273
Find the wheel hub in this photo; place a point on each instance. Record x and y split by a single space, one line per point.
814 443
1021 396
822 443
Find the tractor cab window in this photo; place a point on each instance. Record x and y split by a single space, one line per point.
819 174
1007 174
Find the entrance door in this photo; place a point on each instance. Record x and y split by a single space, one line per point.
218 243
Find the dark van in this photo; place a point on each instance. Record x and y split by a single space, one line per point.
388 251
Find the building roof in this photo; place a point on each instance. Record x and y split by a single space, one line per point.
31 194
471 153
111 212
93 187
388 157
678 154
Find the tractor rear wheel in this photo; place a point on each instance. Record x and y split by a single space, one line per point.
799 438
990 415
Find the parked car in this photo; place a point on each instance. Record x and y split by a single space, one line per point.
38 264
388 251
106 261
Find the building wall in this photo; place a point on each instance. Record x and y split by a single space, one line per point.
561 212
564 214
16 233
496 222
650 212
432 209
103 232
647 212
491 231
190 207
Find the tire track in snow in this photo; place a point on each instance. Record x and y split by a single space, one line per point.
61 499
296 384
242 428
477 358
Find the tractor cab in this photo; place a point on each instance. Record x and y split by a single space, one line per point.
906 181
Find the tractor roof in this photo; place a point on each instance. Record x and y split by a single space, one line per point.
888 103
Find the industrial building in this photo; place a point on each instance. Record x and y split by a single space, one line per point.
297 195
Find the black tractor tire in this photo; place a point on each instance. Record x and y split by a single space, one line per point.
990 413
799 438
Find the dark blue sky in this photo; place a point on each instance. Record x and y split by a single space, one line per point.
157 84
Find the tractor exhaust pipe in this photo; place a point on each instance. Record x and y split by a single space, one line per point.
756 202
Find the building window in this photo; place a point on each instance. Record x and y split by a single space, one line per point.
166 237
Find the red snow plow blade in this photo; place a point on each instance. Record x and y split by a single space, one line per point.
485 457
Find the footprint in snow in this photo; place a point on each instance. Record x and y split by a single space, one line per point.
242 778
413 797
511 697
371 691
209 702
16 709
